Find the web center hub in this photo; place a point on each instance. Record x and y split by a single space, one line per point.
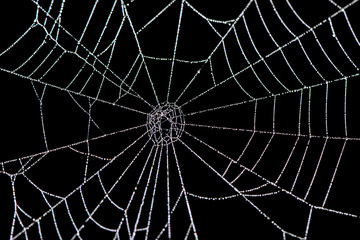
165 123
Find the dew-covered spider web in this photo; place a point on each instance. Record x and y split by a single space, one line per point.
179 119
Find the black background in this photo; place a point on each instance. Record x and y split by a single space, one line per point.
62 171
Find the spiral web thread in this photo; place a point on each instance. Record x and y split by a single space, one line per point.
94 71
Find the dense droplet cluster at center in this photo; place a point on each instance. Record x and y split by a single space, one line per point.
165 123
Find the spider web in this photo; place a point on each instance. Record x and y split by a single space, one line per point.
269 134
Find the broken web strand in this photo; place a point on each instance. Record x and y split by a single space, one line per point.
257 131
